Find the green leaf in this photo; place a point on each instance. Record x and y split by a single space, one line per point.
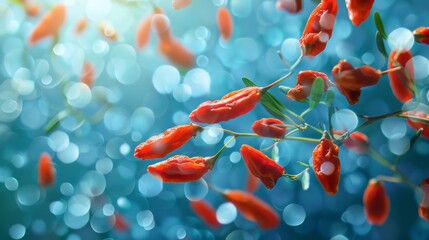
329 97
380 44
275 153
248 82
316 92
270 103
53 123
379 25
284 89
305 180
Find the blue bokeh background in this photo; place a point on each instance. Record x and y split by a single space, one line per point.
138 94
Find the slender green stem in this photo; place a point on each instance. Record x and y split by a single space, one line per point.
295 176
303 139
389 179
370 120
305 112
380 159
266 88
315 129
214 158
236 134
291 132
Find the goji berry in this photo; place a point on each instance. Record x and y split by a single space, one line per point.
424 204
303 86
319 27
421 35
261 166
46 170
232 105
326 165
224 21
359 10
376 202
402 82
206 212
253 208
160 145
269 127
50 24
180 169
350 80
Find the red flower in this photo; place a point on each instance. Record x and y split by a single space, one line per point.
326 165
232 105
46 170
261 166
357 142
424 204
402 82
292 6
206 212
350 80
359 10
269 127
303 86
421 35
376 202
417 125
162 144
318 29
180 169
253 209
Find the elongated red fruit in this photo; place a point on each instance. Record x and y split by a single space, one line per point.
424 204
224 21
376 202
205 211
232 105
326 165
402 81
160 145
46 170
180 168
50 24
253 208
261 166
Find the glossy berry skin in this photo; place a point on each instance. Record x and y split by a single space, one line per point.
357 142
225 24
232 105
402 81
359 10
46 170
319 27
326 165
180 168
291 6
206 212
269 127
303 86
160 145
350 80
253 208
49 25
421 35
261 166
417 125
376 203
424 203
